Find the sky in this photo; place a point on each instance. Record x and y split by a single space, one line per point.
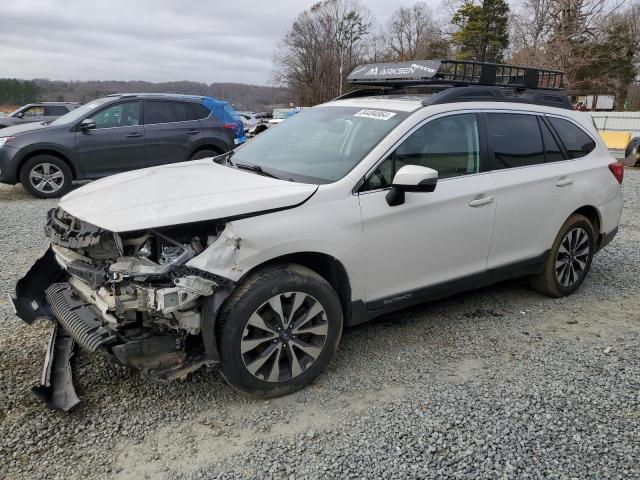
155 40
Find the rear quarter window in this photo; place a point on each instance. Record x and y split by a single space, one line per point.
577 142
196 111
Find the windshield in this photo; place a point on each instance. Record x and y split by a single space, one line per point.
319 145
80 112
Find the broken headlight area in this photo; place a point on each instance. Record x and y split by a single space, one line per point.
130 294
136 279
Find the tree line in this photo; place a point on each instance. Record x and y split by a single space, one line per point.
243 97
18 92
595 42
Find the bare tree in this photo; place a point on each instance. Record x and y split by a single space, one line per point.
412 32
323 44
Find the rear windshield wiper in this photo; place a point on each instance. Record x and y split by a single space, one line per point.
257 169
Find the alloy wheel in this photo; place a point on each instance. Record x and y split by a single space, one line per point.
46 177
573 255
284 337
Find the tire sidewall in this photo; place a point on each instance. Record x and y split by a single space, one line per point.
199 155
230 335
580 222
32 162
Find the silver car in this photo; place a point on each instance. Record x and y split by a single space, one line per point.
38 112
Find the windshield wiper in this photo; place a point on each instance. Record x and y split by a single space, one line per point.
225 157
257 169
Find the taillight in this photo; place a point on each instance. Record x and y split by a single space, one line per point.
232 126
617 168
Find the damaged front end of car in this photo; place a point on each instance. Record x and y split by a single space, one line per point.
129 294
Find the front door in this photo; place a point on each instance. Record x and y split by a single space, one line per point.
31 114
432 237
116 144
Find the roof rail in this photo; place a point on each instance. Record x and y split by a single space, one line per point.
455 72
154 94
498 94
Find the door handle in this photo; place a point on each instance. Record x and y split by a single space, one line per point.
481 200
134 135
193 132
564 181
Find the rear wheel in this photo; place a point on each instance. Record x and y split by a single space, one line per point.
46 176
569 259
204 154
279 331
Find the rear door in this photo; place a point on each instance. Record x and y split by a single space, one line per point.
51 112
533 187
172 131
117 142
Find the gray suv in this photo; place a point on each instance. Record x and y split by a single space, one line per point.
38 112
115 134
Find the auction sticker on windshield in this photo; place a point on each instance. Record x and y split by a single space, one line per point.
377 114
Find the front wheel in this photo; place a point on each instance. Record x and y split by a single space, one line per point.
569 259
46 176
278 331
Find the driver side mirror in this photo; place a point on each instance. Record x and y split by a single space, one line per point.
411 178
87 124
20 114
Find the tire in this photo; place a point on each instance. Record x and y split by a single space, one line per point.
569 260
204 154
251 345
54 174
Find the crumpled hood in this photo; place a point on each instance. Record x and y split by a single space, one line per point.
180 193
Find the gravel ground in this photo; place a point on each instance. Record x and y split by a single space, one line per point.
497 383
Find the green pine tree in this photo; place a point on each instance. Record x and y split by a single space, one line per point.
483 33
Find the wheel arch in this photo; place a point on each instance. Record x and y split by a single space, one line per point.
593 216
45 151
209 145
327 266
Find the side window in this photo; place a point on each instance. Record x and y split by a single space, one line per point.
515 140
162 111
196 111
120 115
449 145
575 140
552 151
37 111
55 110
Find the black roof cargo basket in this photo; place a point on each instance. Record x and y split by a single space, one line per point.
455 72
474 82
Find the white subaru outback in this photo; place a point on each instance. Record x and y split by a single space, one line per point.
438 177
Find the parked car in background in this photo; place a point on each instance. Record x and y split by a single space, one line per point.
281 114
263 115
252 126
38 112
115 134
632 153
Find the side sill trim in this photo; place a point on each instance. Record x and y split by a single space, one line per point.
365 311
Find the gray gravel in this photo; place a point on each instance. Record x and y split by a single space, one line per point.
497 383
